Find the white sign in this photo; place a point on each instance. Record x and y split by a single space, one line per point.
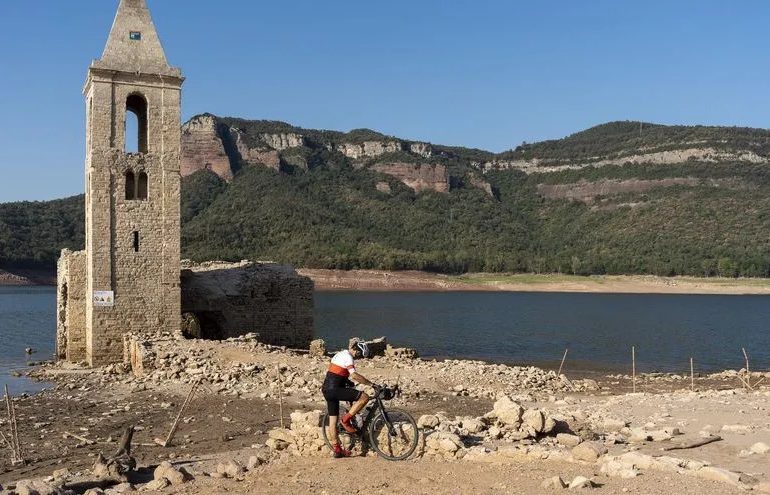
104 298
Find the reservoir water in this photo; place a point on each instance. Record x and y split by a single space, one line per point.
510 327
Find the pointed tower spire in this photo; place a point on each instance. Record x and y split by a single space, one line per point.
133 44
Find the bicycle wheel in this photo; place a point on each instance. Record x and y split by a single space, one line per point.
396 444
346 439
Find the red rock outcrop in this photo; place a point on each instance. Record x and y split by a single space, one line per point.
202 148
418 176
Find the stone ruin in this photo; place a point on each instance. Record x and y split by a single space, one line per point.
225 300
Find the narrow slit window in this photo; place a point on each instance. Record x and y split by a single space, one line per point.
130 185
141 186
136 241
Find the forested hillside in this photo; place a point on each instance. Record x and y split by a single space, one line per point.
326 203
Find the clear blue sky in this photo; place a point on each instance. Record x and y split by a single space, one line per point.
484 73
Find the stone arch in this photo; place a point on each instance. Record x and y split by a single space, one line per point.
142 186
136 104
130 184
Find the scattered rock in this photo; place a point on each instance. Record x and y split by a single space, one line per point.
581 482
428 421
760 448
173 475
230 469
718 474
589 451
553 483
534 419
156 485
318 348
568 440
254 462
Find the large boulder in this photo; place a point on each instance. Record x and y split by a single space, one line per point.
508 412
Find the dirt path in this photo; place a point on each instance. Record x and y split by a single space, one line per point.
376 476
238 405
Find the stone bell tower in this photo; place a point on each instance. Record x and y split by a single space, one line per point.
132 253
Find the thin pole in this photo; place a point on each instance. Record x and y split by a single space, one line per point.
182 409
15 444
633 366
748 373
562 361
692 376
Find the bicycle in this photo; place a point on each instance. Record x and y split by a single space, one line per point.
391 432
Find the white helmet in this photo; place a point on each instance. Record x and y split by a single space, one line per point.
363 348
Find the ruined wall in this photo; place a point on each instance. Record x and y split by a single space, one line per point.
232 299
419 176
71 306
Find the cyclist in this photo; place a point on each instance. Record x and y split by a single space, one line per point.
337 386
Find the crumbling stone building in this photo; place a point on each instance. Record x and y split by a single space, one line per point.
128 278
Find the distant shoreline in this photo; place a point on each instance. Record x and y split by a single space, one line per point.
387 281
375 280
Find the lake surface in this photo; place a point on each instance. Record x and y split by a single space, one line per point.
27 319
510 327
598 329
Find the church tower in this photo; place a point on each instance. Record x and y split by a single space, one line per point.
132 254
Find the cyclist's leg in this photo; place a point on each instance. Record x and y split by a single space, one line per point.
333 407
359 404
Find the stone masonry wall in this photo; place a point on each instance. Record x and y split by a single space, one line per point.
145 275
233 299
71 306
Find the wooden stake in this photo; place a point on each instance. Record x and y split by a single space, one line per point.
18 458
694 444
562 361
748 373
633 366
280 395
692 375
175 425
78 437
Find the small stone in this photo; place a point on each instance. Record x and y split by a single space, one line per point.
581 482
230 469
760 448
254 462
428 421
553 483
156 485
589 451
94 491
718 474
568 440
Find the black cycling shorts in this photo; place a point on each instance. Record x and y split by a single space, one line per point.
333 397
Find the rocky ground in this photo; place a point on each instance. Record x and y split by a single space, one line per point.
484 428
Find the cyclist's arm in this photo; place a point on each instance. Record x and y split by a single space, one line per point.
359 378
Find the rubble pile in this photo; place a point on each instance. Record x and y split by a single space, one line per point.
302 438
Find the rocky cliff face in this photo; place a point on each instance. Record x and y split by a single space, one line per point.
202 148
254 156
283 141
419 177
368 149
670 157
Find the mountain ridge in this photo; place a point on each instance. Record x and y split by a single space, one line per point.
363 199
